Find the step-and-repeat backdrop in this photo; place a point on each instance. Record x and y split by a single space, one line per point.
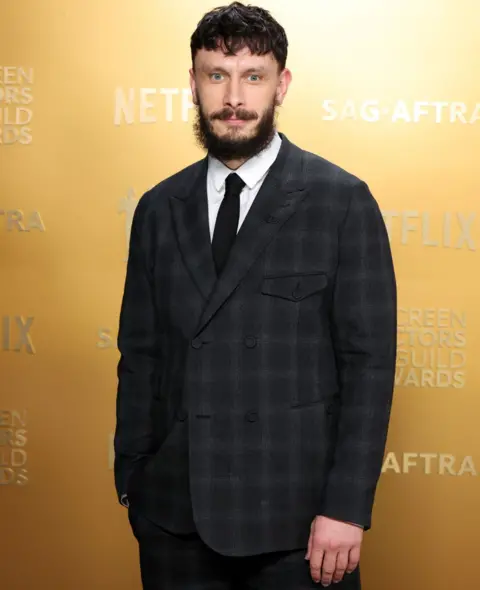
95 109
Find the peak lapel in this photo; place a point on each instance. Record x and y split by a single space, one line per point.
281 193
190 214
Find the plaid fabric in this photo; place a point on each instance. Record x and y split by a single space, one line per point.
267 392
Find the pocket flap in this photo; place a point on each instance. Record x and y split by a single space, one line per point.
294 287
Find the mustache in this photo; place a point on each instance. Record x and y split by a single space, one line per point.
228 113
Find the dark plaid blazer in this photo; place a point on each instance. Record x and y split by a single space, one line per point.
249 404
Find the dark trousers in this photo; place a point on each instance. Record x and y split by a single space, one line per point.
184 562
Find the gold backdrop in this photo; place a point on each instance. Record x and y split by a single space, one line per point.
94 110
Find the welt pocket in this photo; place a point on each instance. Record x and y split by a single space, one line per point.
294 287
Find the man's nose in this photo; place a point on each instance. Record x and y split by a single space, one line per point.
234 94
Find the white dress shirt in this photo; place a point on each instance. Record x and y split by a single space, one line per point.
252 172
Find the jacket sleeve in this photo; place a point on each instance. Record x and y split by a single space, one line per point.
364 331
139 354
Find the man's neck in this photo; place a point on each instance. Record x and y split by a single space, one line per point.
234 164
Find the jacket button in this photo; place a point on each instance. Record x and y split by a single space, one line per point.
251 416
250 341
197 343
181 415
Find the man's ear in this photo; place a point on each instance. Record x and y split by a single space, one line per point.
193 86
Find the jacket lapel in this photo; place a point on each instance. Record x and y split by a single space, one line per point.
281 193
190 215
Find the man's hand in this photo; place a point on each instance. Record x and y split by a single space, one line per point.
333 549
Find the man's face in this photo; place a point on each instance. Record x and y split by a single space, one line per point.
236 97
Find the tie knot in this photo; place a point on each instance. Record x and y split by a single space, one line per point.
233 184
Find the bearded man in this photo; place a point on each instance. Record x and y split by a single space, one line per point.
258 341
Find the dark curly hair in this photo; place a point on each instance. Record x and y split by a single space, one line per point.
236 26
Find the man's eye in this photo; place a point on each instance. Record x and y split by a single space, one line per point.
216 77
254 77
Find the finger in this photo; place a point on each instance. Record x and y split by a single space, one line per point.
342 563
328 566
310 542
316 561
309 548
353 559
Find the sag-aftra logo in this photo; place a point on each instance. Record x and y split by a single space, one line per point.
400 111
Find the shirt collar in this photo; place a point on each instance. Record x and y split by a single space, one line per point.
251 172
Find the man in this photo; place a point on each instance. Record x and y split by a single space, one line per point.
257 339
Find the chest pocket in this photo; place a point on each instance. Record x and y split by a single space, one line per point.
294 287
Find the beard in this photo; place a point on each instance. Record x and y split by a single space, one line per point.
232 145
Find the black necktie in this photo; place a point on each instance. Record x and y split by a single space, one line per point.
226 225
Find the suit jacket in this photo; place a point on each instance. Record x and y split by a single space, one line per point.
250 403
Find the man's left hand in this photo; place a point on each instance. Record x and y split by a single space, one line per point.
333 549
